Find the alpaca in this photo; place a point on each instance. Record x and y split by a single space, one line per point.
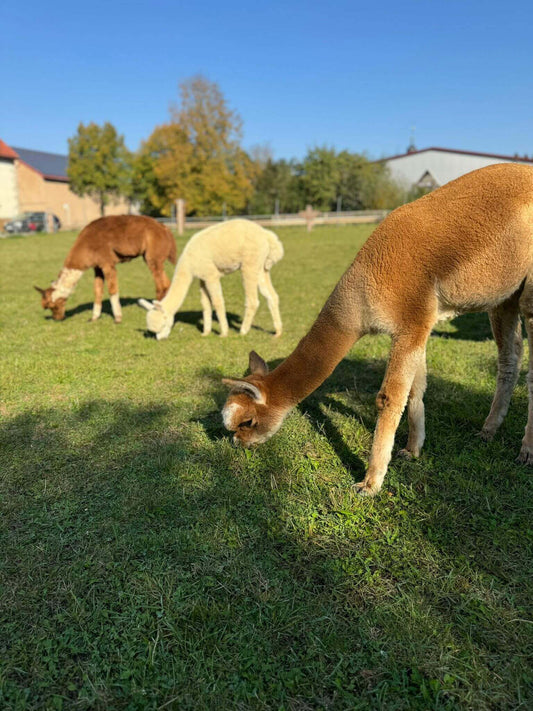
103 244
209 255
467 246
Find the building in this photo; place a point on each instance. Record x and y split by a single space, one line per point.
9 204
431 167
35 181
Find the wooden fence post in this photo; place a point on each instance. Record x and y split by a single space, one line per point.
180 215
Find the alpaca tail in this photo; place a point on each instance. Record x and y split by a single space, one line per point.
172 253
275 252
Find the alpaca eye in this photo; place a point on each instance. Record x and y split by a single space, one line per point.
246 423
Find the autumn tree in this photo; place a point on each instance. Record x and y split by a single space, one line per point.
99 164
160 168
197 155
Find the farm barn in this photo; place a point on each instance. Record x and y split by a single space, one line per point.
429 168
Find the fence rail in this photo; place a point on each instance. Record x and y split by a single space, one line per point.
287 219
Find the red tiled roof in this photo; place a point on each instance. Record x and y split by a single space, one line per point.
465 153
6 151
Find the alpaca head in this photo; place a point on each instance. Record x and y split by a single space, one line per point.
247 411
157 319
57 306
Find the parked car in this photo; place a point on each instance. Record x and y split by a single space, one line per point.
31 222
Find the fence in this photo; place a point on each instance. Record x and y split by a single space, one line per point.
288 219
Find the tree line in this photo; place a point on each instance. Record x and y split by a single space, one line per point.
197 155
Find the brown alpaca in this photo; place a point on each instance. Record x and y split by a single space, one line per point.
467 246
102 245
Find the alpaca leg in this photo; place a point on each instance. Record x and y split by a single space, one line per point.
111 277
251 300
207 309
98 293
162 282
415 413
507 331
217 299
405 359
526 308
272 299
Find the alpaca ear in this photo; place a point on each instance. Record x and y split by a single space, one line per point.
38 288
256 364
243 386
145 304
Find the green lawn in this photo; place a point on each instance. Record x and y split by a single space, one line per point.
147 564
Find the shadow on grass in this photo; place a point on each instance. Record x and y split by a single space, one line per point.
147 563
195 318
468 327
82 308
479 481
192 318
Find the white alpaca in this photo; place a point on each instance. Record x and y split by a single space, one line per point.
208 256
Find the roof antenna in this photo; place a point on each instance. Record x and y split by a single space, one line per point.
411 148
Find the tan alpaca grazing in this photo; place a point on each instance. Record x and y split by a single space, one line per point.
102 245
467 246
209 255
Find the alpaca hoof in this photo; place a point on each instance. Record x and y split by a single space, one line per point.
206 333
485 435
277 334
118 320
364 488
224 334
525 456
406 454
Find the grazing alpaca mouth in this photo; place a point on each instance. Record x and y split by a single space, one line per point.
251 445
164 333
245 445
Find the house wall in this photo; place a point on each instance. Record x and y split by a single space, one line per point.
9 204
37 193
75 211
443 166
30 188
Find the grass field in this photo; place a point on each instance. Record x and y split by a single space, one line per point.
147 564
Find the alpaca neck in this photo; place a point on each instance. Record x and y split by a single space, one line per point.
179 287
65 283
312 361
338 326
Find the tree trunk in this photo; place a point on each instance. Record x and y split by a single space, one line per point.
102 204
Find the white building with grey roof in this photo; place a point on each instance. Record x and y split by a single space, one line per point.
431 167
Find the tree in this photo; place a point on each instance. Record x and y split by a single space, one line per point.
351 170
321 177
99 164
278 181
360 183
197 155
161 167
378 190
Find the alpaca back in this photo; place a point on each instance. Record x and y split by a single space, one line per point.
228 245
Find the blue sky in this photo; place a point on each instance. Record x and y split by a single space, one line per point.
353 75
